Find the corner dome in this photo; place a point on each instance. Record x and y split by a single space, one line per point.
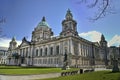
43 24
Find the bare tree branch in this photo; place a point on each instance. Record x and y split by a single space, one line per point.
103 10
93 4
103 7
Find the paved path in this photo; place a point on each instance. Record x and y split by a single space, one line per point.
101 69
29 77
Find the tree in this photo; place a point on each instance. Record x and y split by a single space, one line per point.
104 7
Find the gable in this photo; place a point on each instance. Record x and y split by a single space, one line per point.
24 43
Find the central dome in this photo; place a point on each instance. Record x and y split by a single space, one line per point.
43 23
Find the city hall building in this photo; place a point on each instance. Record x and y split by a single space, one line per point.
45 50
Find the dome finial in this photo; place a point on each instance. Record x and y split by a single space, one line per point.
13 39
68 10
69 15
43 19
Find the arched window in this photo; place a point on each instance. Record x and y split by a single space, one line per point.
36 52
51 50
45 51
41 52
57 49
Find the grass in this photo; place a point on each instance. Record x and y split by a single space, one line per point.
10 67
16 70
100 75
29 71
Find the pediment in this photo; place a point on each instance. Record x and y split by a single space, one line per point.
24 43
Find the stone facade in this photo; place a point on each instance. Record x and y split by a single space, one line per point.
3 55
45 50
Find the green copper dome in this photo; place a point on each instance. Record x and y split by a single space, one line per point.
43 23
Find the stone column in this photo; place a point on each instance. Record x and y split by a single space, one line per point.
72 47
48 52
68 46
79 47
60 48
43 51
25 53
54 49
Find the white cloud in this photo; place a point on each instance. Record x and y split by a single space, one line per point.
115 41
93 36
4 42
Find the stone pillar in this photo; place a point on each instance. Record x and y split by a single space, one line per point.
60 48
72 47
62 51
54 49
79 47
25 53
43 51
68 46
48 52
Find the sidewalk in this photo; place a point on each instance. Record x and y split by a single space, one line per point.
101 69
29 77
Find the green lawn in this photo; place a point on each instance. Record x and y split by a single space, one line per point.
100 75
16 70
10 67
